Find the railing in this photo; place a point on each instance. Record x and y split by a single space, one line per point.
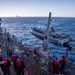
14 41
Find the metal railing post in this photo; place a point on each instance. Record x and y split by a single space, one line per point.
6 40
13 43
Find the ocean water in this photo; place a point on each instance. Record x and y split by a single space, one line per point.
20 27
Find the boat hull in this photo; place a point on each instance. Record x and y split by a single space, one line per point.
41 36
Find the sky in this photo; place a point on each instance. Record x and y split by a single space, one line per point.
33 8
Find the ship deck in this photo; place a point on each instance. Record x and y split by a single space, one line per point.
32 66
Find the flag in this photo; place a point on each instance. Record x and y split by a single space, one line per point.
67 59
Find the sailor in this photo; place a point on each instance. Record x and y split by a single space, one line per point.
55 65
8 36
52 29
6 65
63 63
0 55
20 66
50 68
14 57
0 49
1 59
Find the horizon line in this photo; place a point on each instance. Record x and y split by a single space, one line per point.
38 16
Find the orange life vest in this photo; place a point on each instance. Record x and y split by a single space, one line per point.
62 59
19 63
56 63
6 61
14 57
0 56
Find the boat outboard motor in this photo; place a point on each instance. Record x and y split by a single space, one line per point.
68 46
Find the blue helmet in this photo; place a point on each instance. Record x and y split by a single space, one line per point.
54 55
56 58
14 53
4 55
19 57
